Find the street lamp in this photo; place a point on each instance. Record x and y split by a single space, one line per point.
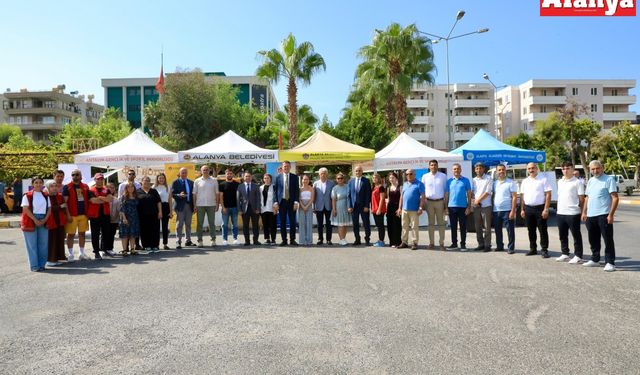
446 39
495 101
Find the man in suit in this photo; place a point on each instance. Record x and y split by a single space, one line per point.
182 190
358 204
322 204
249 207
287 189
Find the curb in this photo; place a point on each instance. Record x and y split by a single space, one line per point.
629 201
10 224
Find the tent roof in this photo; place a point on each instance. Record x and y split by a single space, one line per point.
229 148
484 147
326 149
406 152
136 149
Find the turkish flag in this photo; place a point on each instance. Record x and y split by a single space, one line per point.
160 83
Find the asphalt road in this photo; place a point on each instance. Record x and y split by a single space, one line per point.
323 310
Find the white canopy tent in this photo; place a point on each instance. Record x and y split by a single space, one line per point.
229 148
405 152
137 149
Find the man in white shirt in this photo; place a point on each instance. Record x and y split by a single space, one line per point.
535 198
322 205
434 184
570 202
482 187
205 193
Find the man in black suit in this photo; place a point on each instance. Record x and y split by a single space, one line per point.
249 207
182 190
358 205
287 189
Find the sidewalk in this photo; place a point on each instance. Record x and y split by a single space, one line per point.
9 221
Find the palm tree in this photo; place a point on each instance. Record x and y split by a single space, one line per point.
295 63
306 126
397 58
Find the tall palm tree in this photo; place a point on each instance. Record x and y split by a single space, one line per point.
306 126
295 63
397 58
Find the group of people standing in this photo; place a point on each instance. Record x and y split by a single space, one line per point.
141 211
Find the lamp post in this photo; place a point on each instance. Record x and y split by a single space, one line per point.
446 39
495 101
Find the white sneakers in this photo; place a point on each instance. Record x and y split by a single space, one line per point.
71 258
609 267
225 243
575 260
236 242
111 253
213 243
200 244
84 256
343 242
591 264
562 258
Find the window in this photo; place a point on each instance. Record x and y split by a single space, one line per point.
594 91
421 113
50 104
5 105
524 94
614 92
556 92
524 110
421 96
133 108
574 91
594 108
544 92
543 108
614 108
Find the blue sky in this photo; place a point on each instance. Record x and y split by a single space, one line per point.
77 43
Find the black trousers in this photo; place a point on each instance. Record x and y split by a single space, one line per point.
253 216
457 216
109 238
597 226
533 219
324 219
287 211
379 220
100 228
165 222
394 225
149 231
566 223
356 214
269 226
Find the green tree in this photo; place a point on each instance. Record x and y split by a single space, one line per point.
152 117
279 124
296 63
6 131
627 142
195 110
397 58
79 136
522 140
359 126
549 135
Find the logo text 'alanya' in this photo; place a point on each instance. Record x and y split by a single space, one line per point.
587 7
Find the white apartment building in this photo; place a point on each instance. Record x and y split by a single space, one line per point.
40 114
608 101
512 109
471 108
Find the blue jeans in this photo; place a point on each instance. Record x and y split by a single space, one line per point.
37 245
457 216
500 219
232 212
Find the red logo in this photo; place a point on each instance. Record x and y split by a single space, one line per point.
588 8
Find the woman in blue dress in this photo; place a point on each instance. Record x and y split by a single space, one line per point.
129 222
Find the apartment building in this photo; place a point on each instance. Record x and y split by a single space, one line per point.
512 109
607 101
471 107
40 114
130 95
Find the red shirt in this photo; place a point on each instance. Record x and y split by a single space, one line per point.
375 200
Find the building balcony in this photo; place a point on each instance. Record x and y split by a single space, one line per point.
42 111
479 119
417 103
618 116
421 136
553 100
420 120
463 136
626 99
472 103
536 116
39 126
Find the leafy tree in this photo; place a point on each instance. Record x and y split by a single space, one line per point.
627 142
359 126
194 111
152 117
397 58
295 63
19 141
522 140
268 136
6 131
549 135
79 136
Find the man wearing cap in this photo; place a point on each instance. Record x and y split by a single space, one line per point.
482 190
76 196
99 214
434 183
535 198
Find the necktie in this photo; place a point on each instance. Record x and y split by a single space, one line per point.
286 186
248 190
186 189
358 184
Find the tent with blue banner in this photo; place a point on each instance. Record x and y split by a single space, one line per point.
485 148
